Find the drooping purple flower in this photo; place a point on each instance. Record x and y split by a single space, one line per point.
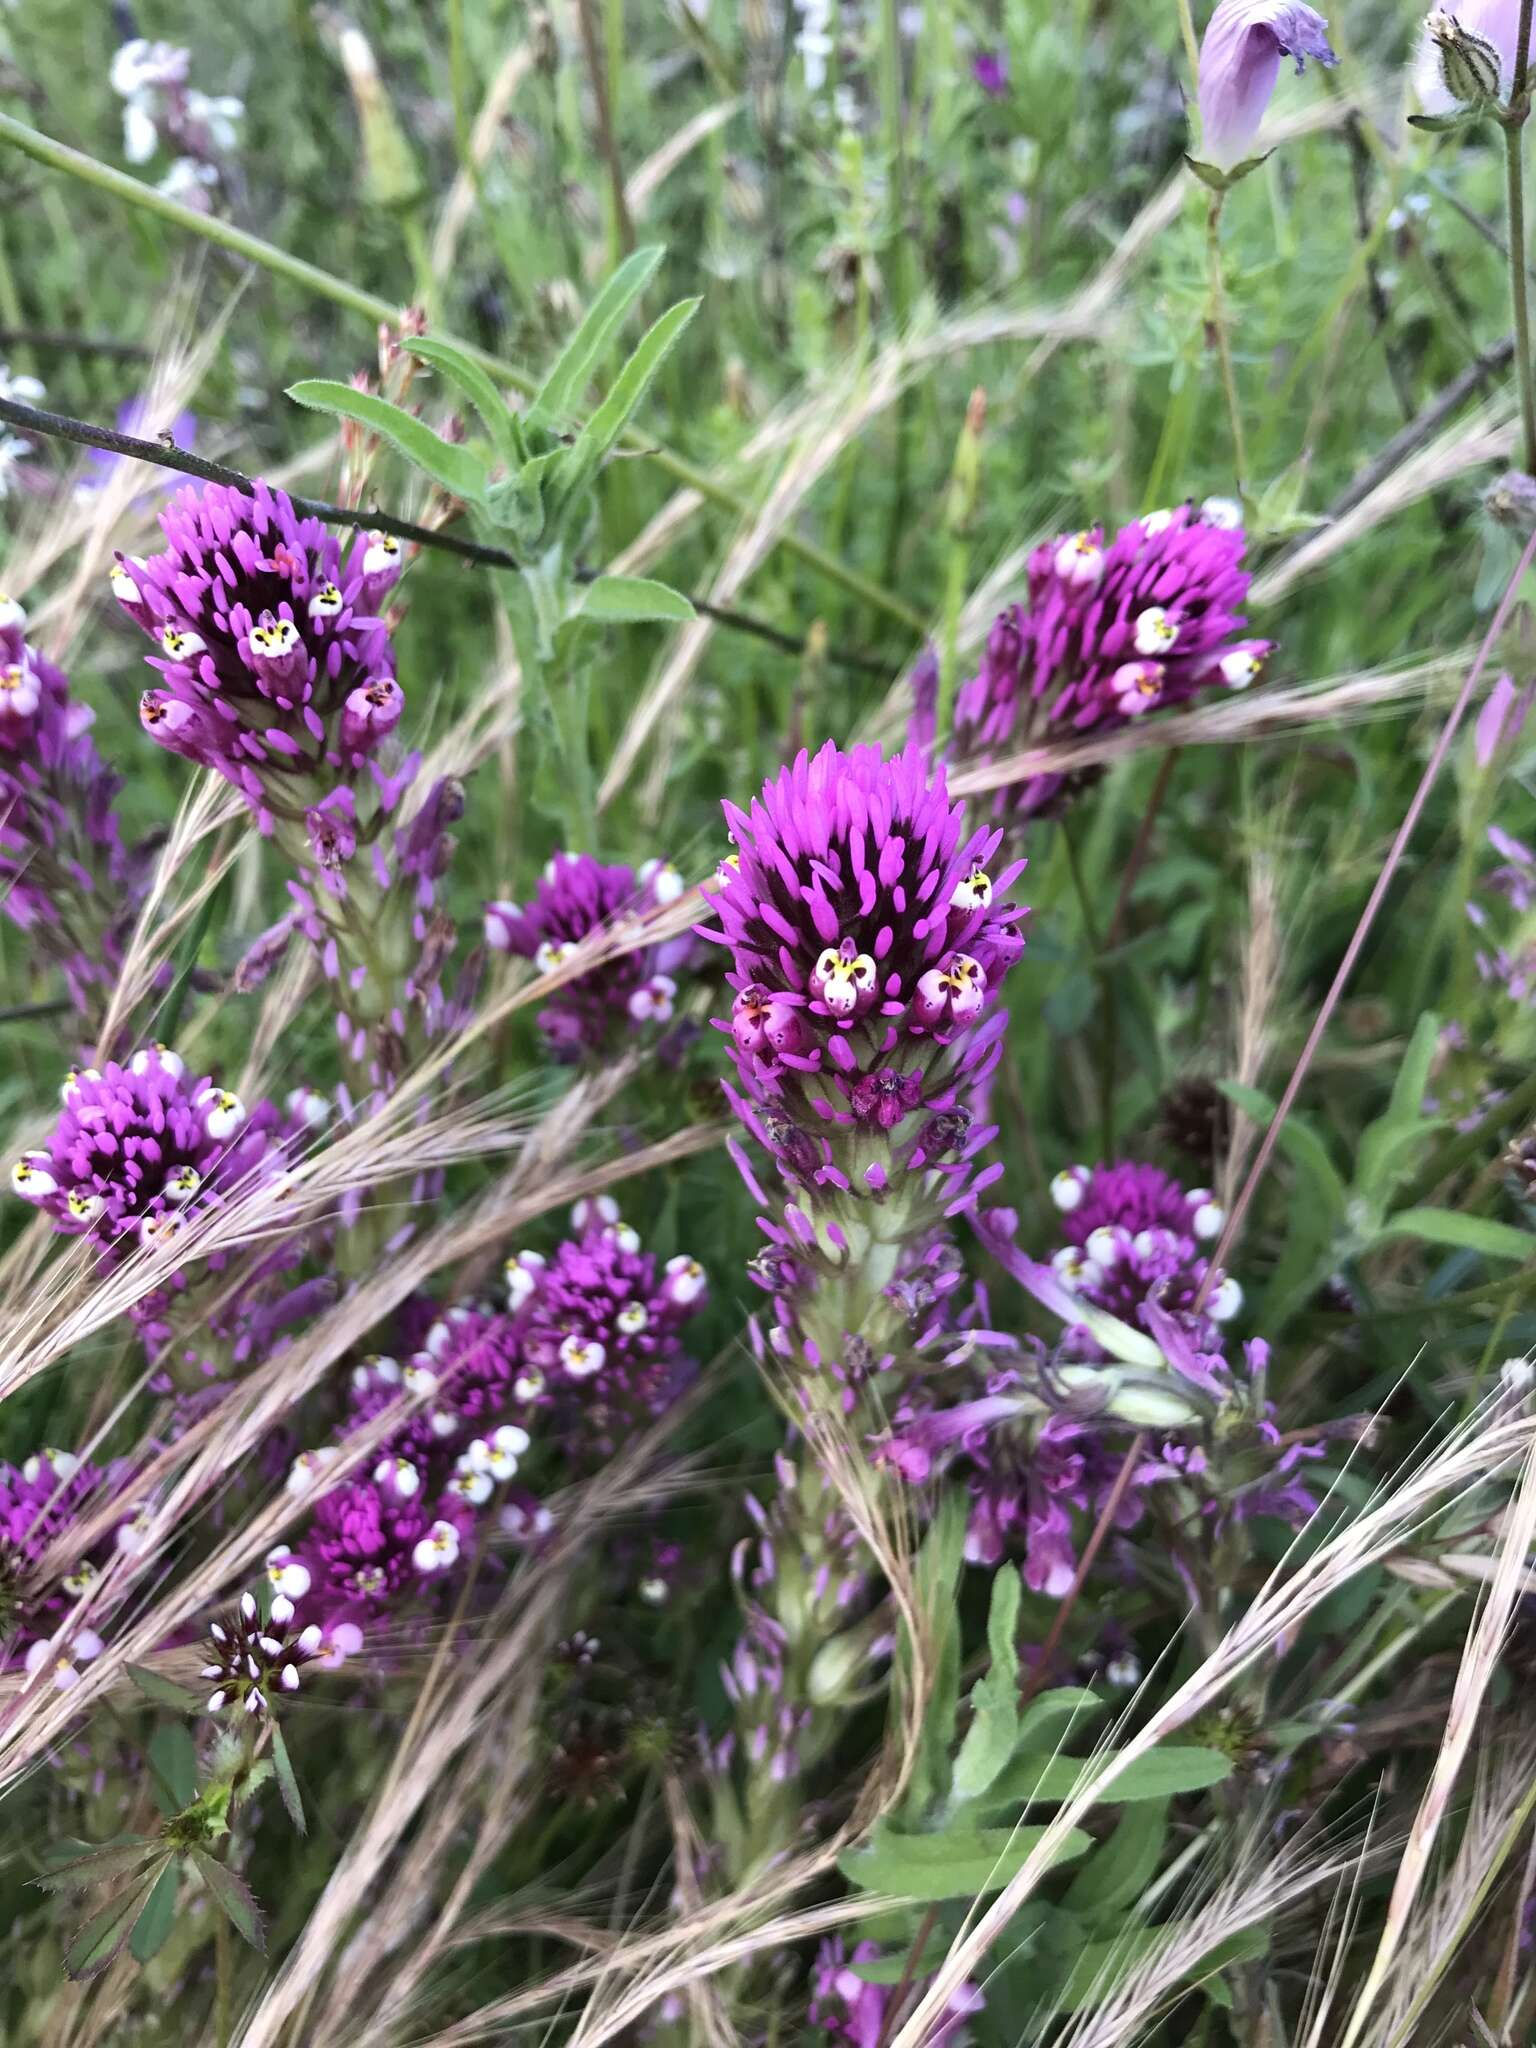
140 1149
577 896
265 635
1240 62
868 941
1113 630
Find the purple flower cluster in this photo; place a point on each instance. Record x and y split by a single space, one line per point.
278 674
139 1150
1507 959
39 1500
577 896
1113 629
65 876
1133 1237
277 668
845 2008
588 1348
868 942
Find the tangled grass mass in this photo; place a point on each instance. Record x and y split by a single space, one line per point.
768 921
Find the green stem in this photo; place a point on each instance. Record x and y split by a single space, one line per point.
1222 331
1514 120
58 156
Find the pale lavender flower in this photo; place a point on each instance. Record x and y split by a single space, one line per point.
1239 64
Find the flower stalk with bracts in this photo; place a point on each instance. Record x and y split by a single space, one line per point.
869 935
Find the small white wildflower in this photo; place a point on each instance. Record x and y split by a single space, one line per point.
438 1549
582 1356
1068 1187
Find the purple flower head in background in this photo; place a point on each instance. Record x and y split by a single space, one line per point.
1239 64
1133 1238
1113 630
65 876
277 668
845 2008
579 895
140 1149
867 935
989 68
599 1330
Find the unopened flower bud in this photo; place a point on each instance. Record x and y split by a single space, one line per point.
1468 65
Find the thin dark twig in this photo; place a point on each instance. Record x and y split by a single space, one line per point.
16 1013
1352 951
165 455
64 343
1091 1549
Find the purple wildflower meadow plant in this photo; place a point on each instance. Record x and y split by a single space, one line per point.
1133 1236
278 674
577 896
868 942
66 878
40 1501
1240 63
1112 630
140 1150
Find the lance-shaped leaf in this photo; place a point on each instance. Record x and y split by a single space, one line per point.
560 394
232 1897
479 387
287 1783
961 1863
99 1942
586 454
152 1928
994 1731
456 468
1462 1233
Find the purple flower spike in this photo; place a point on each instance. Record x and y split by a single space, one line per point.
1240 62
868 940
66 879
577 896
269 644
139 1149
1113 630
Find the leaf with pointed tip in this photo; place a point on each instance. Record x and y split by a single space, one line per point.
153 1926
81 1872
456 468
994 1731
173 1759
476 384
99 1942
1462 1233
1159 1774
631 600
232 1897
585 455
961 1863
165 1692
560 393
287 1783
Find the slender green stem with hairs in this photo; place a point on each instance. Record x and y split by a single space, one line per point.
1221 329
1513 120
58 156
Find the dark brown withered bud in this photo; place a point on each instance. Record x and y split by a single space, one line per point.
1195 1118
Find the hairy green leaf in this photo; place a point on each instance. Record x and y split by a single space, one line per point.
560 394
456 468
